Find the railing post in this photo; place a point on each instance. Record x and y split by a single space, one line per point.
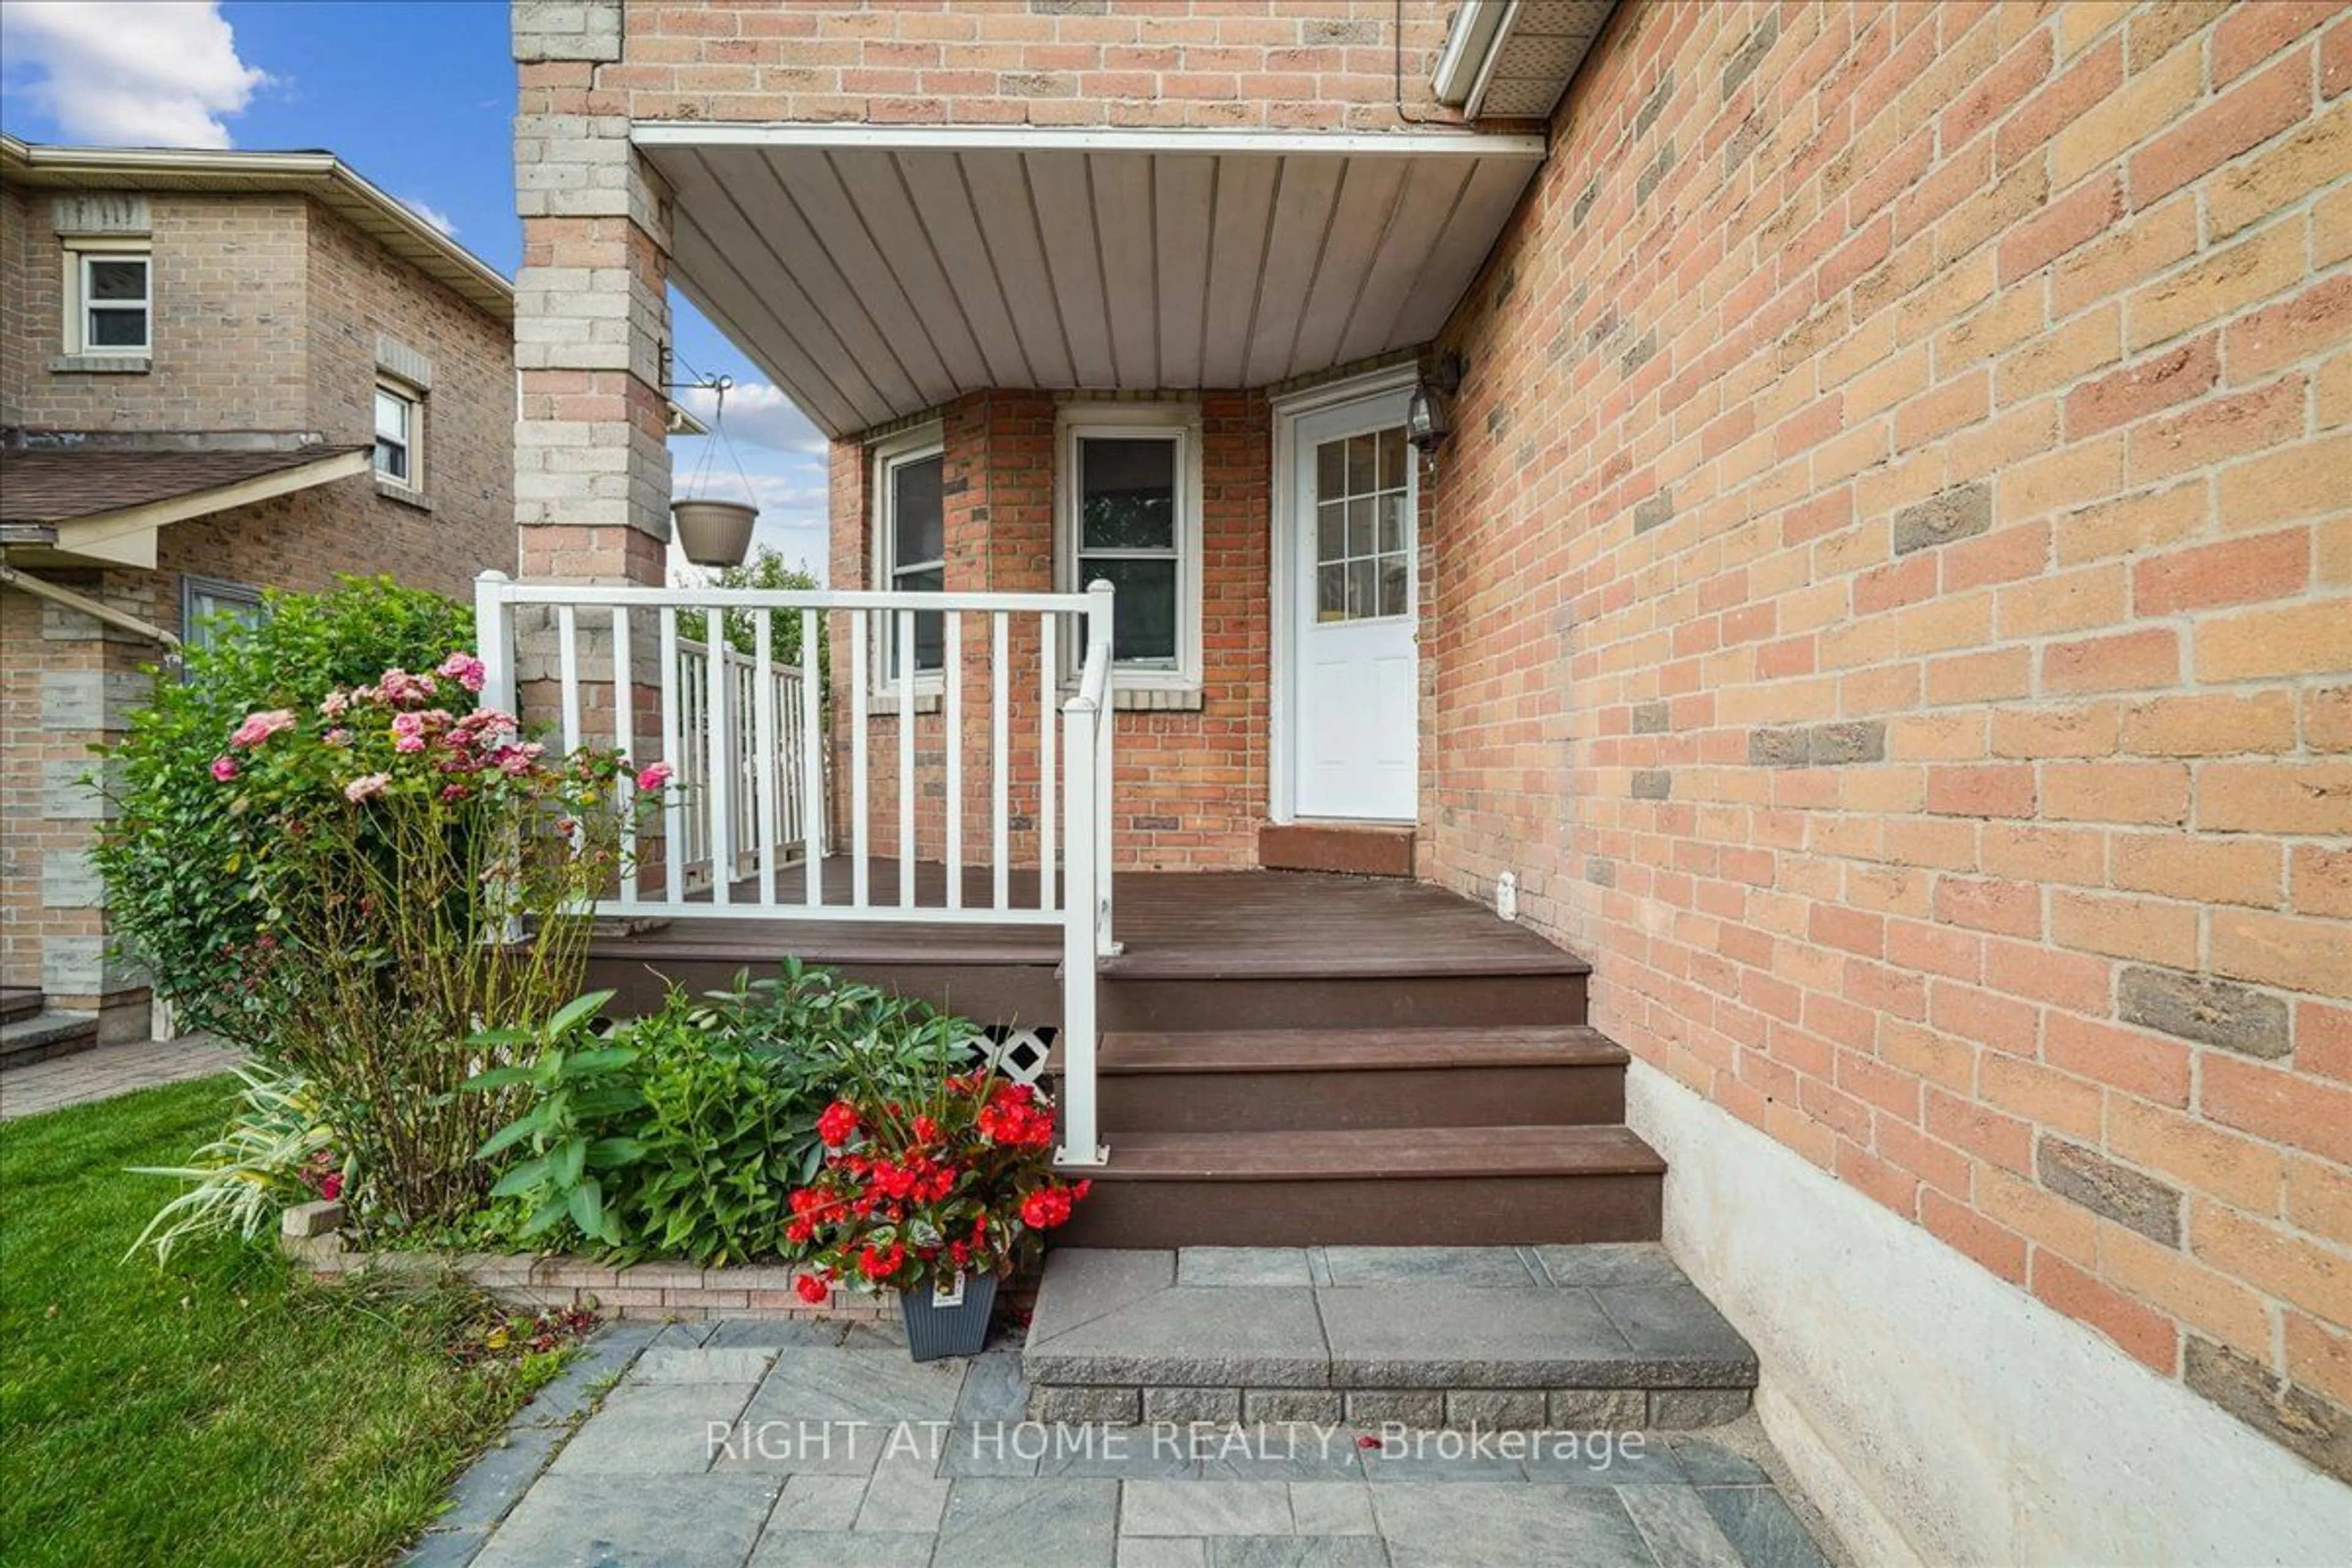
1098 632
1080 873
494 645
493 640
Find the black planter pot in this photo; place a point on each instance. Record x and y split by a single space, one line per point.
949 1317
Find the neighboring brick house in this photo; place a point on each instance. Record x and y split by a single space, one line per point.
1885 598
219 373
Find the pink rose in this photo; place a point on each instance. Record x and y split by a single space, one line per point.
464 668
337 736
224 767
453 793
259 727
653 776
337 702
367 787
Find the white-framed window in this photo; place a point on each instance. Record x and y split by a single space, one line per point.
109 298
1129 505
910 545
399 433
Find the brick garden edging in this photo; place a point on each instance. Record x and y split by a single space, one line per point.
310 1235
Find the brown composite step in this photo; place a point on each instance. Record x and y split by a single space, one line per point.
1356 849
1417 1186
1265 1079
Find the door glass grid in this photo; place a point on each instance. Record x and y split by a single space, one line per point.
1363 539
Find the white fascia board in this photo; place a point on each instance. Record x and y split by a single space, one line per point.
1083 138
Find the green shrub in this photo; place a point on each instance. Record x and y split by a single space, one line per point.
186 880
697 1121
276 1152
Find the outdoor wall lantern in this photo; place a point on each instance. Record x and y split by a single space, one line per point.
1425 425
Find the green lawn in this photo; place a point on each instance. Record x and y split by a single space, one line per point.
215 1412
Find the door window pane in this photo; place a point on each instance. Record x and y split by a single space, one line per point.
1363 534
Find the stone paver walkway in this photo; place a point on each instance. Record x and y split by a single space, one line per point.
105 1072
749 1444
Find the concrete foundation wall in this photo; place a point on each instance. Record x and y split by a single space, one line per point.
1936 1414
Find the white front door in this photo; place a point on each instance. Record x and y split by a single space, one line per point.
1354 681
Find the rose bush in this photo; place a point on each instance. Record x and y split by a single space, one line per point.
425 878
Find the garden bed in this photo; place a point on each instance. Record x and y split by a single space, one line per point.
668 1292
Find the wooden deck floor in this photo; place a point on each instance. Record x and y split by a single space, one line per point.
1173 925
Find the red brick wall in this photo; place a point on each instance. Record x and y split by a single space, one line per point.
1191 784
1332 64
1896 616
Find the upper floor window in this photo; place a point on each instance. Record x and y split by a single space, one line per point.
910 544
1130 504
210 610
111 302
399 431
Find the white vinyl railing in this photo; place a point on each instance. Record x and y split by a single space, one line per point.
747 737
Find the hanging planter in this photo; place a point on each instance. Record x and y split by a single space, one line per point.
947 1316
714 532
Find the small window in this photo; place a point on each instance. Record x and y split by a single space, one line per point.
1130 489
113 301
399 418
1363 531
910 528
211 609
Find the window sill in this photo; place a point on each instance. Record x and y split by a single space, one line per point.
101 364
404 495
1154 698
885 704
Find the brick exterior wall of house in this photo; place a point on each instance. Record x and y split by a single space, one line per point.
1895 615
268 312
1332 65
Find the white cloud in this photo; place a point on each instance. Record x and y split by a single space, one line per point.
141 73
755 414
431 215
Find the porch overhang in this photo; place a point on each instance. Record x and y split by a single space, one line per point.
875 271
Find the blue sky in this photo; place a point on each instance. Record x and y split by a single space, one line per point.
418 95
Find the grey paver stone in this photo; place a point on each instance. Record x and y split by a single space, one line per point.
1713 1464
1118 1451
774 1333
1491 1266
445 1548
1020 1523
1674 1521
822 1549
1762 1528
643 1429
818 1503
1081 1284
1078 1405
1222 1405
1321 1406
1501 1409
666 1363
874 1385
1205 1508
1244 1265
1603 1460
793 1446
1444 1336
1189 1336
1681 1409
1610 1263
1331 1508
993 1389
653 1522
904 1496
493 1483
1486 1523
1163 1551
1300 1452
1592 1409
1297 1551
1675 1321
